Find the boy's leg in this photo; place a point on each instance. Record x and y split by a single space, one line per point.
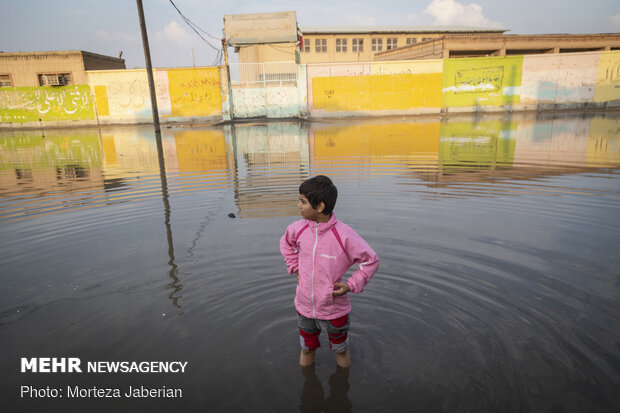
308 338
306 358
337 331
343 359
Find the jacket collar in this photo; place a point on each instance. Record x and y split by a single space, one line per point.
324 226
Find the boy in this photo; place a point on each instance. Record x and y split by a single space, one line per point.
319 249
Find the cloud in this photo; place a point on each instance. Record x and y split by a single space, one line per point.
174 32
449 12
615 21
117 37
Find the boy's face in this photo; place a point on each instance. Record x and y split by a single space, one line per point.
306 210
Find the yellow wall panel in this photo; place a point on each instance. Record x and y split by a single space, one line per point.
382 92
101 98
608 78
195 92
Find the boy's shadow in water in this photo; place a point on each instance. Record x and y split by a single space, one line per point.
312 398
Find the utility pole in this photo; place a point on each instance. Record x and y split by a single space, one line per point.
149 68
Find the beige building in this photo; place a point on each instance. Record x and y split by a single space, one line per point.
348 43
476 45
52 68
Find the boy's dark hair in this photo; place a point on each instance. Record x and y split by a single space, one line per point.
320 189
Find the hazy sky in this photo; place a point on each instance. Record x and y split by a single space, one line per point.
111 26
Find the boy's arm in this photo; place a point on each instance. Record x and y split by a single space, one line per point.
288 248
367 263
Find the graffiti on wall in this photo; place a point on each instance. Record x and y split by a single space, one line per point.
195 92
45 103
559 78
492 81
608 78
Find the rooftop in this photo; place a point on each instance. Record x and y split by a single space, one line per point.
397 29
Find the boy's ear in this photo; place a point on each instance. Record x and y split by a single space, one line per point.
321 207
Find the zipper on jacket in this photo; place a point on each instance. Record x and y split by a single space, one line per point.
316 240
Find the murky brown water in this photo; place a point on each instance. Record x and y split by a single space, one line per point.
498 290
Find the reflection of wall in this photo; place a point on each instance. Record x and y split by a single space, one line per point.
201 150
30 163
553 143
483 145
375 143
49 103
271 161
603 142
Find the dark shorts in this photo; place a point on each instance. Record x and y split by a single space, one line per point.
310 329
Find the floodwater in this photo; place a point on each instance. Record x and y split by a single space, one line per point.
498 289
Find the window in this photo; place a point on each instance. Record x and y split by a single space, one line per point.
306 48
341 45
392 43
5 80
55 79
377 45
358 45
411 40
320 45
426 38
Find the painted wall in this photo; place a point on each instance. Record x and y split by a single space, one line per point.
487 81
607 87
48 103
386 87
559 78
182 95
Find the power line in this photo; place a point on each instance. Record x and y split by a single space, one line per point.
194 26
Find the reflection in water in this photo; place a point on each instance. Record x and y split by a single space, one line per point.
498 289
312 398
175 285
263 163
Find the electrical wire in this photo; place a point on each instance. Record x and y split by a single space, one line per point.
195 28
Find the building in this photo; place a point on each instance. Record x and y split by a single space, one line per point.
54 68
476 45
335 44
324 44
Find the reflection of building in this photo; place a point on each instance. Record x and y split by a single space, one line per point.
52 68
476 45
271 162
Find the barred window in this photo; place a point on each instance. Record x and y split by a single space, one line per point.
392 43
320 45
411 40
377 45
306 48
341 45
5 80
358 45
55 79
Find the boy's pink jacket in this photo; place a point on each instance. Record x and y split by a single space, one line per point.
323 252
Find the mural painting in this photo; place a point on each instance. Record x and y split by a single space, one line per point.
45 103
491 81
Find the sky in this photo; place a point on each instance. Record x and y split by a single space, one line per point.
111 26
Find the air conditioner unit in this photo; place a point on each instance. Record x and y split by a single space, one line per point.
51 80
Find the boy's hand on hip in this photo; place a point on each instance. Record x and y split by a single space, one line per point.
340 289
